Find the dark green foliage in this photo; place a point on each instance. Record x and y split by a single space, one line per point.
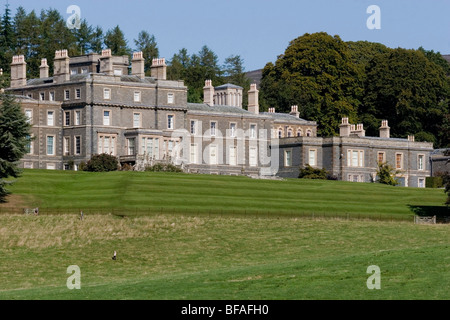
387 174
14 138
147 44
162 167
102 163
446 181
312 173
316 72
115 40
434 182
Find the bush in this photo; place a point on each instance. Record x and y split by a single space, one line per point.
311 173
102 163
434 182
161 167
387 174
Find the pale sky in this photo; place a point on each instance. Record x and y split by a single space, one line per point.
260 30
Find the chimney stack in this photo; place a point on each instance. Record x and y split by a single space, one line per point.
359 131
411 138
253 99
385 130
18 72
43 69
61 71
294 112
345 128
138 65
208 93
271 110
106 63
159 69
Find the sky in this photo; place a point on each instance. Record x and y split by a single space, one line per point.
260 30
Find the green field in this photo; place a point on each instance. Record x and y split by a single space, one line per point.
249 239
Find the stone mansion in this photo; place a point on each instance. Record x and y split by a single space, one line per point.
95 104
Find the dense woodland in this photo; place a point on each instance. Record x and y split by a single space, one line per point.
325 76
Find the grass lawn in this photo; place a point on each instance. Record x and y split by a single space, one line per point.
267 250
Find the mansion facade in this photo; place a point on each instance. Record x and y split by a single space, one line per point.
95 104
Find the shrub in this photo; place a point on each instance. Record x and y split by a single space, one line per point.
161 167
311 173
434 182
102 163
386 174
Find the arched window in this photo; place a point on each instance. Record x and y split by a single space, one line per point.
299 133
308 133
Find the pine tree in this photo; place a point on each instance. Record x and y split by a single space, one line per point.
115 40
147 44
14 138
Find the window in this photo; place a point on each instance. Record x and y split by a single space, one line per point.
107 94
193 153
381 157
170 123
233 156
287 158
137 96
193 126
66 166
290 133
77 93
77 118
253 131
355 158
253 157
50 145
312 157
355 178
50 118
28 165
421 162
106 117
29 115
299 133
66 94
42 96
107 144
51 97
232 129
170 98
77 145
131 144
398 161
136 120
51 166
308 133
29 145
66 146
73 71
118 72
84 70
421 183
280 133
67 118
213 128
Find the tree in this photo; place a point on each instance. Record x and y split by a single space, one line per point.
147 44
316 72
115 40
14 138
97 40
233 72
387 174
83 37
404 87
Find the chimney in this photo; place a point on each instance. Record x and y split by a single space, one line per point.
253 99
411 138
208 93
106 63
18 72
61 67
385 130
345 128
359 131
159 69
294 112
271 110
43 69
138 64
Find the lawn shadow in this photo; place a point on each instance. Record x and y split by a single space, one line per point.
441 212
